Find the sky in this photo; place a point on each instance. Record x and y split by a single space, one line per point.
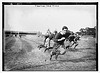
30 18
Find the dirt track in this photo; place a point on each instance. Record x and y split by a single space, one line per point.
23 54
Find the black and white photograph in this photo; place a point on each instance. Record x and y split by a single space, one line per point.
50 36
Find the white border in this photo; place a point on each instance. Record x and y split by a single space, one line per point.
47 1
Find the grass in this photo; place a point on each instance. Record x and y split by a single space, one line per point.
30 58
12 55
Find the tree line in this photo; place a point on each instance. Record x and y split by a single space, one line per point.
88 31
